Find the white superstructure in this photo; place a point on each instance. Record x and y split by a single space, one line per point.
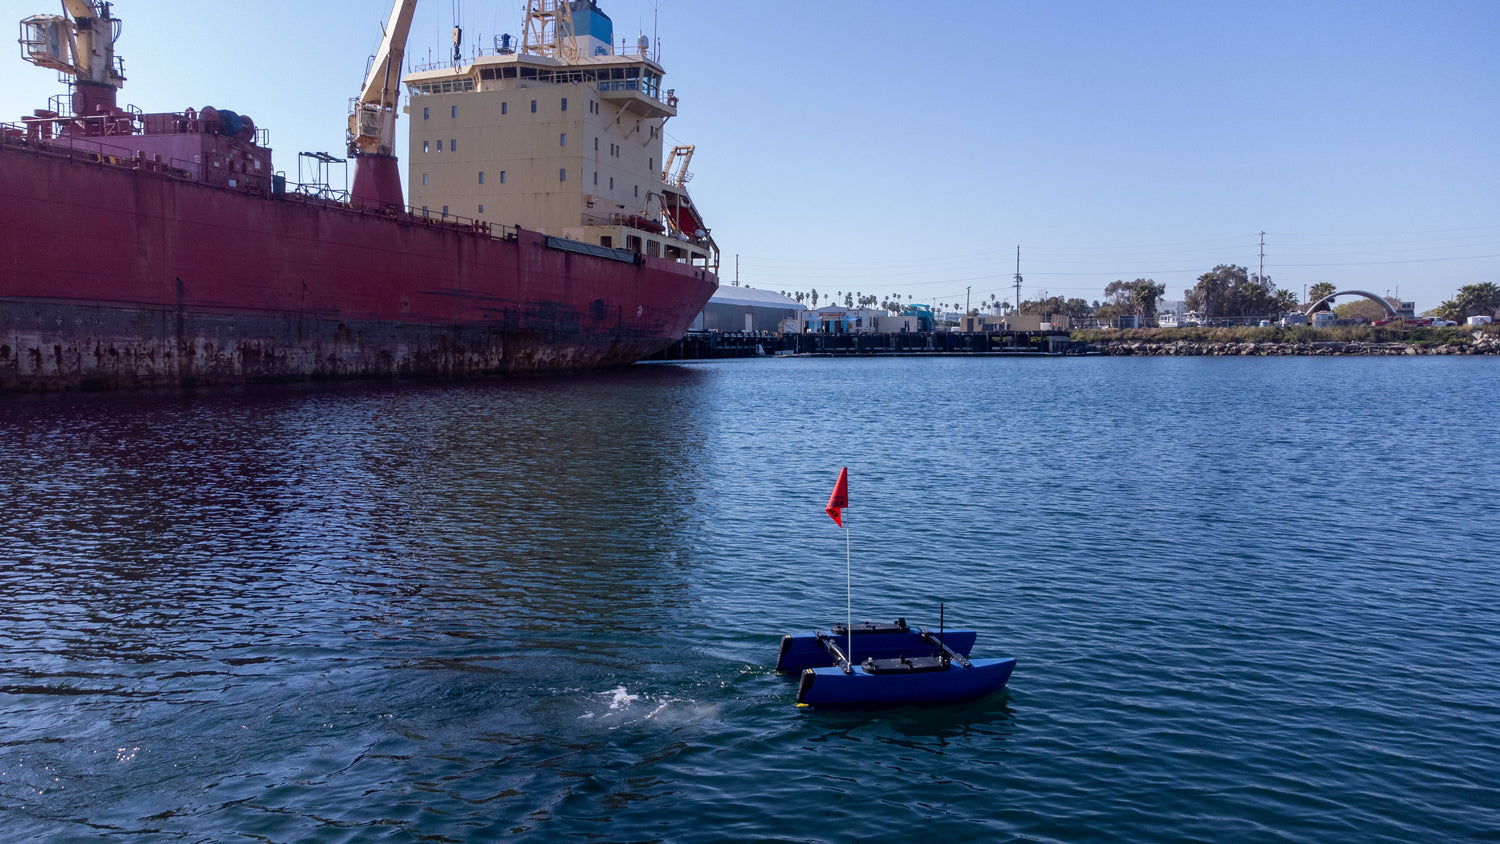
563 135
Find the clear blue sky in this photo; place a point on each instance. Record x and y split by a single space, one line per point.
908 148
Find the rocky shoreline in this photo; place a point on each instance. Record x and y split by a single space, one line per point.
1484 344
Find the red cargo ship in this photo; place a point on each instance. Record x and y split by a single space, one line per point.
161 249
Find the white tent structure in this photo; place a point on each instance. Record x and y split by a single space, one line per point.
746 309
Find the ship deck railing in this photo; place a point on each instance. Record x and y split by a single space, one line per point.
480 51
96 149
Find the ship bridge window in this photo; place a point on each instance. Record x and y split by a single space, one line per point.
445 87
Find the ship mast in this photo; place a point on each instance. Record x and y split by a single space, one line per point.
372 118
549 30
83 48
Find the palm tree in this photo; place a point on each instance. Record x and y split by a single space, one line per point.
1319 290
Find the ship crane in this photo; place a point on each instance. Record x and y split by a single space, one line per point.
80 44
549 30
372 118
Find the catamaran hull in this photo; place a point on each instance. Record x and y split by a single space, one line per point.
831 687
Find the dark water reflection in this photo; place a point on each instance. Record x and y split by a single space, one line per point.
280 553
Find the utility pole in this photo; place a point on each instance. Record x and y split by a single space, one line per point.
1018 278
736 269
1262 257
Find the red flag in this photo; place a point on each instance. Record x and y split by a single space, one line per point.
839 499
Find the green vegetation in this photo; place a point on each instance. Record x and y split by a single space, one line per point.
1319 290
1137 297
1472 300
1361 309
1455 336
1228 293
1233 291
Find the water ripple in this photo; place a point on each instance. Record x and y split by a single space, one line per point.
1249 599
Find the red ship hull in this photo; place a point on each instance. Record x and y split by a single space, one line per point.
117 276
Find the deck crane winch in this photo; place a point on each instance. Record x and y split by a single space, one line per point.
372 118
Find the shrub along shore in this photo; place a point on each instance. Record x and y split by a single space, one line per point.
1295 340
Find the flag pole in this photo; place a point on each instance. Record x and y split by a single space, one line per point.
848 599
837 502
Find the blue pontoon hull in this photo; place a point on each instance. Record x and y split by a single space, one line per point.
831 687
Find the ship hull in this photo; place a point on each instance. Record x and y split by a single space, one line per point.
118 277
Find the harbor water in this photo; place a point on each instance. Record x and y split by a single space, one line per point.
1252 599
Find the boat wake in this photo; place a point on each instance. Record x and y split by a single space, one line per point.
623 708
